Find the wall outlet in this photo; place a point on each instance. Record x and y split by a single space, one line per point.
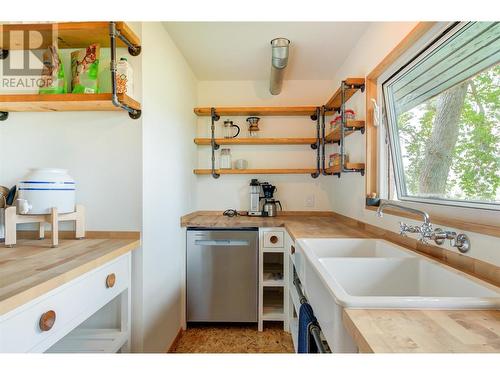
310 201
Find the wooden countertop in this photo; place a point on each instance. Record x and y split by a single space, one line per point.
424 331
379 331
33 267
298 224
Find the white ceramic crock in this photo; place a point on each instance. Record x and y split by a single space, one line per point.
45 188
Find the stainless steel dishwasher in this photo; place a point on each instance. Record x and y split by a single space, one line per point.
222 275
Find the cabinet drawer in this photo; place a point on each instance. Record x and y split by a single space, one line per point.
72 303
274 239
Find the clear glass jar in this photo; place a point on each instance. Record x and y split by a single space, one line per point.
225 158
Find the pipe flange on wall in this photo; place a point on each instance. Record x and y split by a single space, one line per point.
279 60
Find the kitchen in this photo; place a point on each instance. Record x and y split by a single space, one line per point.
256 190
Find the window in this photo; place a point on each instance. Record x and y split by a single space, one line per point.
443 116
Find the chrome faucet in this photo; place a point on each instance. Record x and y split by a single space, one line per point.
425 231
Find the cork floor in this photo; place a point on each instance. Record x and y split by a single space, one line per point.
240 338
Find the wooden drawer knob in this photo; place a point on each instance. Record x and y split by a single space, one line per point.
292 249
274 239
47 320
110 280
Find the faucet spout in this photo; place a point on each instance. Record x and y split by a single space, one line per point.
385 205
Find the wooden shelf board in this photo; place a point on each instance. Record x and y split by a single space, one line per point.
255 171
258 111
335 100
62 102
334 136
256 141
88 340
273 283
336 169
67 34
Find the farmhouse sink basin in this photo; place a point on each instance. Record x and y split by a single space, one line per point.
353 247
376 274
403 283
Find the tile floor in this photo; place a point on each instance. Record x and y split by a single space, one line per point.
235 338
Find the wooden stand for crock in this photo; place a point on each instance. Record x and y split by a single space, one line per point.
12 219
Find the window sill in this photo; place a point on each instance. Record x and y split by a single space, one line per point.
452 222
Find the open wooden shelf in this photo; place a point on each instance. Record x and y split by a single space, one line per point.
67 34
62 102
255 171
256 141
336 100
336 169
258 111
335 135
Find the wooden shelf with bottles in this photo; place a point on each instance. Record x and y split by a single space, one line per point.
335 135
337 170
62 102
68 35
255 171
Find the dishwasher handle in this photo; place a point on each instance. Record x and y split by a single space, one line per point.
221 242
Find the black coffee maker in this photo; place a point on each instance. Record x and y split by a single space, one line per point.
270 207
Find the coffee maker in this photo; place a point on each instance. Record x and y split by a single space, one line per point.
255 198
270 205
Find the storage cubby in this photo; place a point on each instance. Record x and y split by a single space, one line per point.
272 301
273 269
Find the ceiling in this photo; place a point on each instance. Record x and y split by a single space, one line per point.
232 51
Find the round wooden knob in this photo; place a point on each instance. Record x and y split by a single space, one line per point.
274 239
292 249
47 320
110 280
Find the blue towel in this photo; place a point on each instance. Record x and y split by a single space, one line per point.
306 318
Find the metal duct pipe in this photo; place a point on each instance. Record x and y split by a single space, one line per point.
279 61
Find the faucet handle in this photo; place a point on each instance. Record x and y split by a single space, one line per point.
403 229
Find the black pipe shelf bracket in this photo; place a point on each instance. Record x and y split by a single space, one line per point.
343 128
134 51
4 53
317 117
214 117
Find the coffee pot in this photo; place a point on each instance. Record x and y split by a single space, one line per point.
228 129
270 207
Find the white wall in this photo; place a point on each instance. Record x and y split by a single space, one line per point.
349 191
169 95
231 191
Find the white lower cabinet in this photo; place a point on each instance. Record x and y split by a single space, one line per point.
273 276
53 321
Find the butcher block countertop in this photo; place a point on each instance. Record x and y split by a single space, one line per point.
378 331
424 331
33 268
298 224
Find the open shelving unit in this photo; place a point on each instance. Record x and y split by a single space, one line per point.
336 103
69 35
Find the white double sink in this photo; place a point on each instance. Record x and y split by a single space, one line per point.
372 273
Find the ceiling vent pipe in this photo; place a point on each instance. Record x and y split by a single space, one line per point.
279 47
